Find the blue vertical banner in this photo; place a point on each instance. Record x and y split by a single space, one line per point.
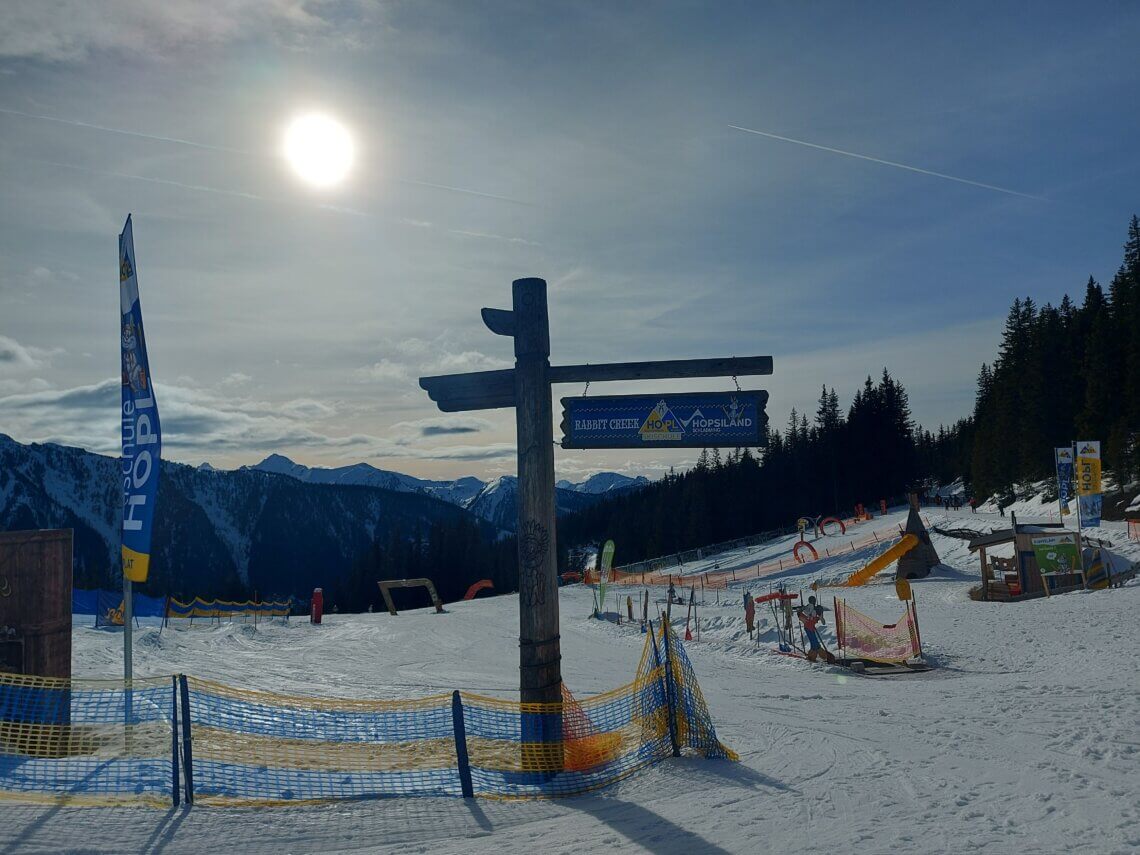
142 434
1064 460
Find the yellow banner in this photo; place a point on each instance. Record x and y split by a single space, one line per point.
135 565
1088 469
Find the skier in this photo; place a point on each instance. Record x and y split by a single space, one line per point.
973 505
749 612
810 616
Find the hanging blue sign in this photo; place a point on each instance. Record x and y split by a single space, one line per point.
679 420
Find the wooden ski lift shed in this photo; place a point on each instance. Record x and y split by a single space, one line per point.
1019 577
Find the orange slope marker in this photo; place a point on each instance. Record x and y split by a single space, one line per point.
861 577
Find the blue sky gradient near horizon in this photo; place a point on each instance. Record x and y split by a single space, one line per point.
589 144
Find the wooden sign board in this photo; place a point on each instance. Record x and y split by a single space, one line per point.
669 420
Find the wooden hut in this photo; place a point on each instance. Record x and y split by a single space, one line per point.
35 602
1019 577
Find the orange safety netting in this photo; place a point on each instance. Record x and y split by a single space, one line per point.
862 637
724 578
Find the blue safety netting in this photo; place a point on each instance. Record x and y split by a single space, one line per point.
107 606
92 742
259 747
225 608
86 742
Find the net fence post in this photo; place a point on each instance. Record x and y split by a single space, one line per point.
913 606
187 740
670 695
461 746
176 777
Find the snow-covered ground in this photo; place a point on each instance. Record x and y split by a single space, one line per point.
1024 738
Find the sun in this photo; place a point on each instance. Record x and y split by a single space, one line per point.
319 149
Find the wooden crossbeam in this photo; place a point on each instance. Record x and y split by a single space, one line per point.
490 390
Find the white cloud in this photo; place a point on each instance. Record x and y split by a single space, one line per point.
307 408
12 386
236 379
468 360
71 30
15 357
416 357
196 423
382 371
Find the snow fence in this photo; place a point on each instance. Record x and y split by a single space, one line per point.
166 739
107 607
88 741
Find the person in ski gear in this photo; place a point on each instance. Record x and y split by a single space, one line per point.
810 616
788 609
672 592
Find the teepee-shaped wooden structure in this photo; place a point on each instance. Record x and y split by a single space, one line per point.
916 564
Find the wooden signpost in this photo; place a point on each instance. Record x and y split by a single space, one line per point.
526 387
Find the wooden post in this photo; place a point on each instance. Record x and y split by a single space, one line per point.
985 571
670 686
913 606
540 665
462 758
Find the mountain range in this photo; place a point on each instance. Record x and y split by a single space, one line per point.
494 501
277 527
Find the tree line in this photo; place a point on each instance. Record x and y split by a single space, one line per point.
1062 373
811 468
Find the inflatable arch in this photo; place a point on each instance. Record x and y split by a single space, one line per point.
823 524
803 544
477 587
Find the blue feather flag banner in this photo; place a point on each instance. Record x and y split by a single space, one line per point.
142 434
1064 459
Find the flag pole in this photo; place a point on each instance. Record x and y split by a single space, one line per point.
1080 523
128 630
1060 490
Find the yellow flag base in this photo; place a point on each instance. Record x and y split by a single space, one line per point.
135 565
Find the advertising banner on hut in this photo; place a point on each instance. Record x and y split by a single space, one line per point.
1057 554
142 434
1064 460
1089 488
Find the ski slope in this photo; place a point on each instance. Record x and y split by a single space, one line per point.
1023 739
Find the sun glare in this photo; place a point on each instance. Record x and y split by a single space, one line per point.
319 149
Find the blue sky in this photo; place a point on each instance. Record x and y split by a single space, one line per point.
596 142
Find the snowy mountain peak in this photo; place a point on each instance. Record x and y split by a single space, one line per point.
608 482
279 464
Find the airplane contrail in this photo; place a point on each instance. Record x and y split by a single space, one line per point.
226 150
462 190
890 163
121 131
201 188
205 188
